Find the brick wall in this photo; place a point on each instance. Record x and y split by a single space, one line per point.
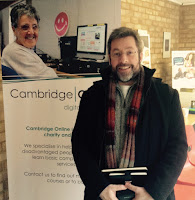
187 28
187 42
157 17
3 159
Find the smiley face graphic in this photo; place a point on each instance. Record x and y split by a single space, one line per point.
61 24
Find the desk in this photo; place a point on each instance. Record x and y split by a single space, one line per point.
81 75
79 68
63 74
190 119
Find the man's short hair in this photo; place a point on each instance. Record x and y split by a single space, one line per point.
21 9
125 32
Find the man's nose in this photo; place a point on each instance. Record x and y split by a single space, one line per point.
123 58
31 30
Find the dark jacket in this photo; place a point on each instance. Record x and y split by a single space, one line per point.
160 137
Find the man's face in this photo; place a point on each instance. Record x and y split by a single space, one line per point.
27 31
125 59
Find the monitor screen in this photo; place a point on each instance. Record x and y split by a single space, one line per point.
91 39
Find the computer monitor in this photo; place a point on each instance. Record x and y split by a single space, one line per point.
68 48
91 41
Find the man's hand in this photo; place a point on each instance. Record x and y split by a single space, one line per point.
109 193
140 192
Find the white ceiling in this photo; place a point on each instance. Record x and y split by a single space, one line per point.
183 2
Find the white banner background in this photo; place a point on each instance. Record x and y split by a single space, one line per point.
38 138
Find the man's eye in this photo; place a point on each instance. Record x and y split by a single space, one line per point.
35 27
25 27
116 54
129 52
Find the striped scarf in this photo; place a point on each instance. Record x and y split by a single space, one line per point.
128 153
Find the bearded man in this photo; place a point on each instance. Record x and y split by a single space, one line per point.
129 119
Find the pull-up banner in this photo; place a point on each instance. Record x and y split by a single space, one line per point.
39 118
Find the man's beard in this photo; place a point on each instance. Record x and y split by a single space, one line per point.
126 77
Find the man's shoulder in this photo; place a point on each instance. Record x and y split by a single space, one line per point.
97 85
8 48
14 49
163 87
96 89
157 82
8 53
12 45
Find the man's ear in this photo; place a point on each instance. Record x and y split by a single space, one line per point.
141 56
14 30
